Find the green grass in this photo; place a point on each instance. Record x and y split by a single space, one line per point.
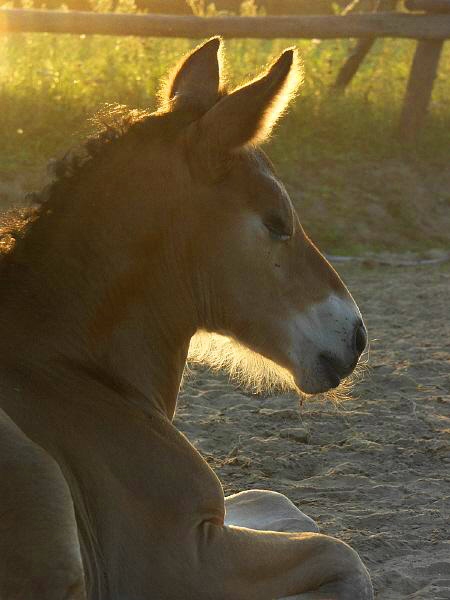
51 84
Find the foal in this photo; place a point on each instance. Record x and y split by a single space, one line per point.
175 224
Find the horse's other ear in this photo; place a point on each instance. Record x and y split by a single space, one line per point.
196 80
248 114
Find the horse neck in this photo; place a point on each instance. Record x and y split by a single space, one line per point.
107 318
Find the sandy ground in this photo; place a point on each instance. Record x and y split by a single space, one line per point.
374 472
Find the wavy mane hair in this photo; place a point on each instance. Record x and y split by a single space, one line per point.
113 125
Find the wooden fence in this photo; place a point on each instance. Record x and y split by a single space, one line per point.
430 28
396 25
182 7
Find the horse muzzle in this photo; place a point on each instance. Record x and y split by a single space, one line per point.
331 339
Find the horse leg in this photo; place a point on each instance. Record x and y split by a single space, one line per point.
39 550
246 564
271 511
194 554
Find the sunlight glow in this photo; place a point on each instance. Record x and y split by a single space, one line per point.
256 373
245 367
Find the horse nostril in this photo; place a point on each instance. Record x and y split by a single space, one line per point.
360 339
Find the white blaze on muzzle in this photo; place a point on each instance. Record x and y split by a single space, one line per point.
325 329
329 325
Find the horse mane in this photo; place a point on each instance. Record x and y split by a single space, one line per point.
15 222
111 126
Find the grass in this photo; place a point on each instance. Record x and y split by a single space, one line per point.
51 84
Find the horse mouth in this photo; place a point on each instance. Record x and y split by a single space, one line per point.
335 368
327 375
318 384
331 373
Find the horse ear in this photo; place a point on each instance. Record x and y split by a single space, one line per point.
248 114
196 80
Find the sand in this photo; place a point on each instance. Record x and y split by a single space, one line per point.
374 471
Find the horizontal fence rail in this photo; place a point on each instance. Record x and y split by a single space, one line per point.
396 25
267 7
429 6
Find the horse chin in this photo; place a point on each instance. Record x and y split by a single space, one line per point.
315 382
314 388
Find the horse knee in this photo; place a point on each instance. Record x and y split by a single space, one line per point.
351 578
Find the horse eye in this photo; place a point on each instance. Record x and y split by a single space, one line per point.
278 231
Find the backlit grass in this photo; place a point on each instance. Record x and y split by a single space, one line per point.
51 84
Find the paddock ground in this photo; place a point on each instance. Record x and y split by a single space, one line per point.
374 471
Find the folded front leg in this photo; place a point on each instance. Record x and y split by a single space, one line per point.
244 564
271 511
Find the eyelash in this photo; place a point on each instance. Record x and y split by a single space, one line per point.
276 234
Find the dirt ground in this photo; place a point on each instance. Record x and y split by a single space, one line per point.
375 471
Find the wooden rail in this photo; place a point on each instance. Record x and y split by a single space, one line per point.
429 6
181 7
271 7
396 25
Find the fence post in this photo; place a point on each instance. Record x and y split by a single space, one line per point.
421 78
359 52
420 87
353 62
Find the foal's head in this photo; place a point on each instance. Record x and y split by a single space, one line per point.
259 280
180 224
